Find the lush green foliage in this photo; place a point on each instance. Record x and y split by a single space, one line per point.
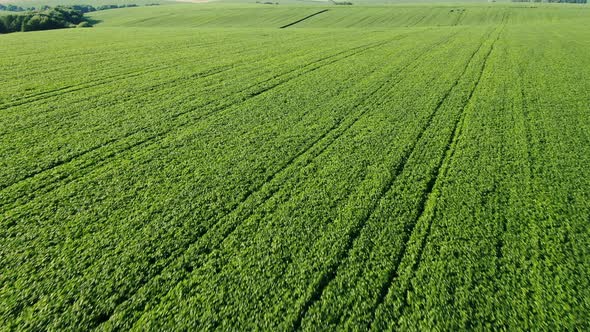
53 18
81 8
12 8
158 176
47 18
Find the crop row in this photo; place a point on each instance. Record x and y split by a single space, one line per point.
71 129
292 249
506 245
413 179
69 232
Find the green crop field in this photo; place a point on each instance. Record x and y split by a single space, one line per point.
53 3
198 167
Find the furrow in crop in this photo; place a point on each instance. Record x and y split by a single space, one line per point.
107 143
534 228
332 271
303 19
92 84
419 20
313 66
106 59
75 88
459 17
313 150
106 80
228 230
101 81
72 88
169 84
527 133
427 206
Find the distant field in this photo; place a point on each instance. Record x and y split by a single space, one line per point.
282 2
337 17
33 3
196 167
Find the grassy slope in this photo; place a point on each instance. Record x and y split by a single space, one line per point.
379 17
215 16
29 3
382 175
297 2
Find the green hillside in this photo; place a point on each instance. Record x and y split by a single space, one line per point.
337 17
197 15
197 167
96 3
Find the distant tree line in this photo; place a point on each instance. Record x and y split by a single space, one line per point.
82 8
553 1
45 19
12 8
48 18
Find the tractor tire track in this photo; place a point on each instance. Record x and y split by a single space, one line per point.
431 193
301 153
290 162
332 271
58 163
534 229
105 80
89 84
329 137
170 84
187 57
347 54
420 20
355 50
74 88
106 56
83 86
205 115
303 19
148 89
